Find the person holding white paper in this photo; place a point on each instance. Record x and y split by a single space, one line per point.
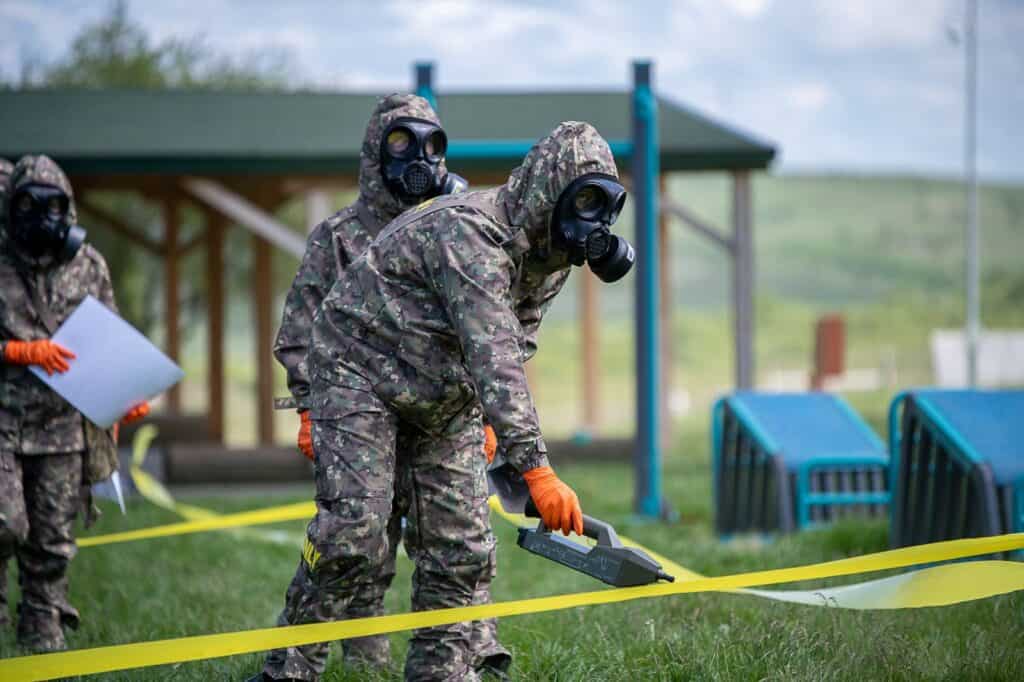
49 453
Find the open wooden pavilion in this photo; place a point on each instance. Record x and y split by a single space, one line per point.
238 156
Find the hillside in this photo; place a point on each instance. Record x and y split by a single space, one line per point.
884 251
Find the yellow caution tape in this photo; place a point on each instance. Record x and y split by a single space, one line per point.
961 582
300 511
198 519
935 586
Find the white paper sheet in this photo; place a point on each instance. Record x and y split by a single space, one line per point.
115 368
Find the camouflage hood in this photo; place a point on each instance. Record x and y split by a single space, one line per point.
572 149
37 170
372 190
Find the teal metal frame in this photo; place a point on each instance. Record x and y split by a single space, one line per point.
648 500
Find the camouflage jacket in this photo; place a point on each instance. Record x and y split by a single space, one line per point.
339 240
434 314
33 418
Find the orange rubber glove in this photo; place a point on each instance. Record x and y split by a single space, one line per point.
51 356
134 414
137 412
490 443
557 503
306 436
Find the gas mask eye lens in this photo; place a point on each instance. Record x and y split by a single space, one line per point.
620 204
588 202
399 141
53 207
435 146
24 204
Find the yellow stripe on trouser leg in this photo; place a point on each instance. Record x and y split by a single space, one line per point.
948 584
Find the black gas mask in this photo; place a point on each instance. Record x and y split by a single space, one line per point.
411 153
581 226
38 222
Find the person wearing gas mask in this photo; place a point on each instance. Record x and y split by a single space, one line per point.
402 163
427 329
11 531
49 453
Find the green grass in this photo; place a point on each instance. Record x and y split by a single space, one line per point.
218 582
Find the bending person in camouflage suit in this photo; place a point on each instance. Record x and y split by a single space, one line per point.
432 323
47 448
331 246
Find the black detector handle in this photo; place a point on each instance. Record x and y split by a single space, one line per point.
595 529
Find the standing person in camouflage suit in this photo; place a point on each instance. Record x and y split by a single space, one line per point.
10 534
331 246
49 453
431 324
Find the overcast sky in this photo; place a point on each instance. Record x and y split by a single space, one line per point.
858 85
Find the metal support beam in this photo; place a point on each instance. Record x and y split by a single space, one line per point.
171 216
973 261
318 207
743 279
665 314
216 226
647 459
262 299
245 213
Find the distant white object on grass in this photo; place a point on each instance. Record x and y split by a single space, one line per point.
850 381
116 366
1000 358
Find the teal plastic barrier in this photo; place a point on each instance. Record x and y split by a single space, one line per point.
957 464
786 461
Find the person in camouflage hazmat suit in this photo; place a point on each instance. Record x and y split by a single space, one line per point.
331 246
46 445
10 534
432 324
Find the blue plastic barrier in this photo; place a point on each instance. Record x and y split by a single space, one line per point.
786 461
957 464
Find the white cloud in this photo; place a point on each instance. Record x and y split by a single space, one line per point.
810 97
872 24
747 9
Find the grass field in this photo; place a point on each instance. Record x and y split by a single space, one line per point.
219 582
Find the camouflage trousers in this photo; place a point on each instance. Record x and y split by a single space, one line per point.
39 498
375 650
349 542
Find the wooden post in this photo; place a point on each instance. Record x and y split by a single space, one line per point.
589 338
171 318
263 299
743 278
665 312
215 228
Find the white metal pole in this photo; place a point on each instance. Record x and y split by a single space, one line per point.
971 179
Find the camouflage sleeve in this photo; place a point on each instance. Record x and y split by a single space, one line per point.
474 277
531 308
311 284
